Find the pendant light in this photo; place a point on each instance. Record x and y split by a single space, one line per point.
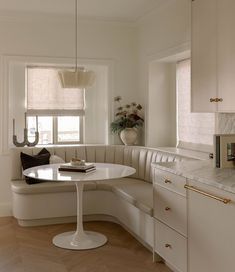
80 77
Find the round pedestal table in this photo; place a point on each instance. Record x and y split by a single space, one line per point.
79 239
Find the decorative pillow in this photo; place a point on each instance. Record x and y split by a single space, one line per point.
56 159
41 158
28 161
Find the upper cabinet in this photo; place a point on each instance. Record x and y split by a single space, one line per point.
213 56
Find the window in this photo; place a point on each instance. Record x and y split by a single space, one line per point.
192 127
55 130
59 111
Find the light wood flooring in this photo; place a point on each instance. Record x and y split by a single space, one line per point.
30 249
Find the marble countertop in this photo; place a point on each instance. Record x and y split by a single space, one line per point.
199 155
202 171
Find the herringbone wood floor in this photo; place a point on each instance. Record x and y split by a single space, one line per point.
31 250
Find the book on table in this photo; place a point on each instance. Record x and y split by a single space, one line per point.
77 170
88 167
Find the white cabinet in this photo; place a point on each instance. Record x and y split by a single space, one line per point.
204 55
226 55
171 246
170 219
213 55
211 230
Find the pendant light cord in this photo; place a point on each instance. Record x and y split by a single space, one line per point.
76 34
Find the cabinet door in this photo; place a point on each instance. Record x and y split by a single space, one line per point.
204 55
226 55
211 231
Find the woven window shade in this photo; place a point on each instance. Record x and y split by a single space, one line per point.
45 96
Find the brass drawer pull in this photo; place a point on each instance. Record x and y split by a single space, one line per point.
194 189
167 245
167 181
216 99
167 209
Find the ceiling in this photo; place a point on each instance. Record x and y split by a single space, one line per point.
126 10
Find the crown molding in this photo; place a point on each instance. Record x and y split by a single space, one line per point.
21 16
10 16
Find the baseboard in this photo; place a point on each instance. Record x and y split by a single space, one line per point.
5 209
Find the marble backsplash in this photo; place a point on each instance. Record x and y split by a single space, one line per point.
226 123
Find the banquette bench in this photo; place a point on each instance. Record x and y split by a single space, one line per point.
127 201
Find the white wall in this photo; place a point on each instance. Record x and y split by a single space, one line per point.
129 49
161 115
51 37
163 33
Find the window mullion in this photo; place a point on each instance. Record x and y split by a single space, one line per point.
55 130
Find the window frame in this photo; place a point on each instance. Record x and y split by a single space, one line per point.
55 131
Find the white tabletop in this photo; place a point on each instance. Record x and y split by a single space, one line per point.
103 171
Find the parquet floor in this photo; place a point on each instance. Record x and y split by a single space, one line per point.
31 250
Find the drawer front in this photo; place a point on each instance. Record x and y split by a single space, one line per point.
170 208
171 246
170 181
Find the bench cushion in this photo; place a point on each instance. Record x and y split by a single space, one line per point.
136 192
21 187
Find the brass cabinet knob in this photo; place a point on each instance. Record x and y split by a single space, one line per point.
167 209
167 181
216 99
167 245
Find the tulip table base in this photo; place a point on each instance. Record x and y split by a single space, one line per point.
88 240
79 239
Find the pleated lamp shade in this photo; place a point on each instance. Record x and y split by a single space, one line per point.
80 78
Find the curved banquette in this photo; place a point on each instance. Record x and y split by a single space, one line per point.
127 201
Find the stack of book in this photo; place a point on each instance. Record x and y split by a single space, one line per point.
88 167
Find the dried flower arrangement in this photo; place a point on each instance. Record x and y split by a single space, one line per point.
126 116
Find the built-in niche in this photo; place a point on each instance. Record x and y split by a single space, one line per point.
167 124
97 109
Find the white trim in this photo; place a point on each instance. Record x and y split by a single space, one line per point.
6 60
61 112
171 51
5 107
195 146
1 105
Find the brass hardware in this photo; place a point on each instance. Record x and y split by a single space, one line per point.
167 245
167 181
167 209
216 99
192 188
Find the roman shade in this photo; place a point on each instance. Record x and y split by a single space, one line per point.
45 96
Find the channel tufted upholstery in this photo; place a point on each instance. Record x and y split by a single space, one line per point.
103 197
138 157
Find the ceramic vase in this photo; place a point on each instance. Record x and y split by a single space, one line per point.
129 136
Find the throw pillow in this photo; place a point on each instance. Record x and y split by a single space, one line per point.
29 161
